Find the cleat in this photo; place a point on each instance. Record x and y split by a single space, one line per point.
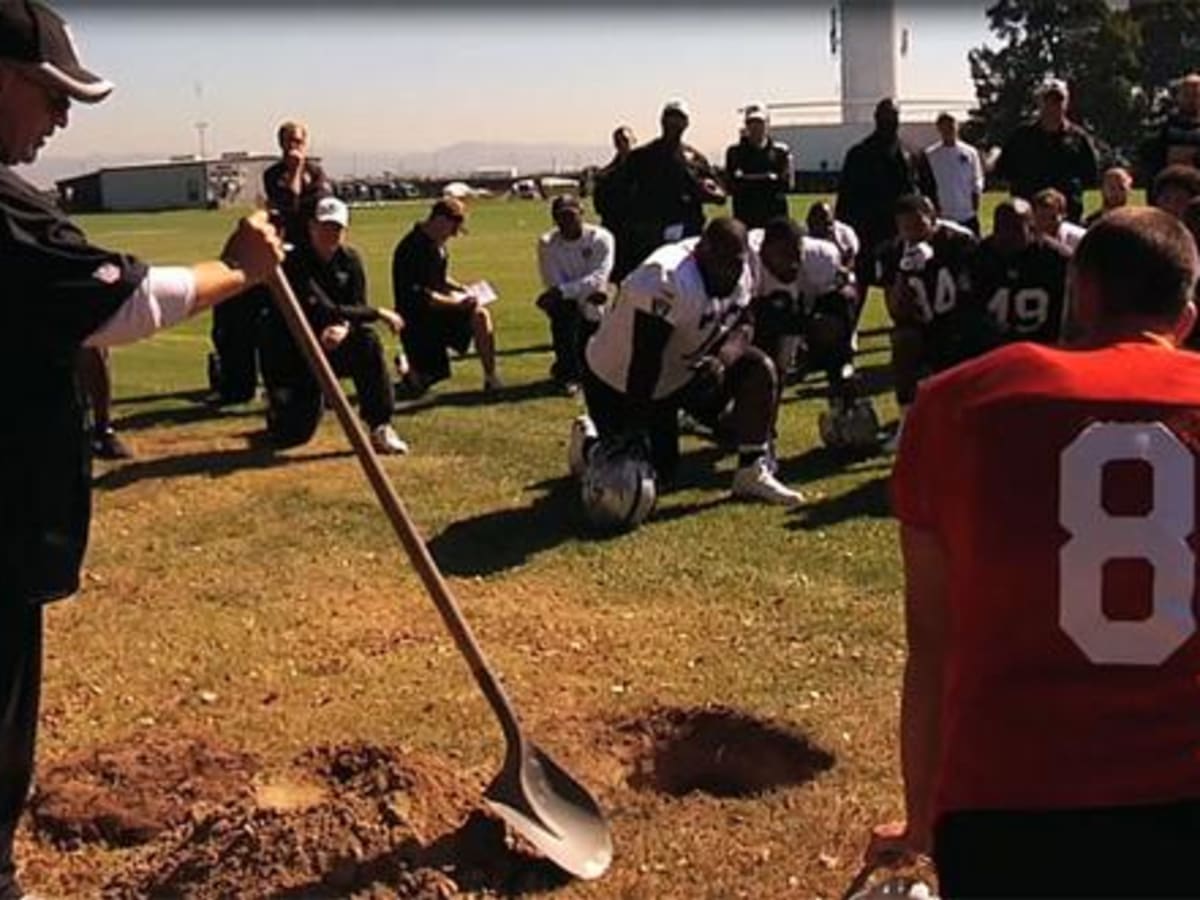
107 444
584 437
755 482
385 440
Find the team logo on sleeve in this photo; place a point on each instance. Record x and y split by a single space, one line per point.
107 273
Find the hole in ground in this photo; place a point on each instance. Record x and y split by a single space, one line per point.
721 752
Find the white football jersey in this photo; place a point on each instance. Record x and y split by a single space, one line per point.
667 285
821 270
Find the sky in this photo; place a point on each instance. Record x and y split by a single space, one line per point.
375 79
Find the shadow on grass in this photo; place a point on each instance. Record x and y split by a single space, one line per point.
875 379
194 395
214 463
867 500
504 539
518 393
183 415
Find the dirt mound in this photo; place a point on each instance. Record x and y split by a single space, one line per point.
129 793
718 751
348 819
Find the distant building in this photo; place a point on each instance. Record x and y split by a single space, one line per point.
183 182
867 37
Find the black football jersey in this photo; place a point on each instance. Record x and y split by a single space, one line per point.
1021 295
943 281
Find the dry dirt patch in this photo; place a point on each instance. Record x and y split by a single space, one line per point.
341 820
127 794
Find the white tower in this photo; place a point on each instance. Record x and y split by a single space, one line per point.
870 56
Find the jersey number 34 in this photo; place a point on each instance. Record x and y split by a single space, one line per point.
1160 538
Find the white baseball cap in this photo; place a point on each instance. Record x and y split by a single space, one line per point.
331 209
756 111
677 105
1053 86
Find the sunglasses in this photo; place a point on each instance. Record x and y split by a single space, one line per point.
59 101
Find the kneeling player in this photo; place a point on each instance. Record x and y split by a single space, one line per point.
1018 280
802 292
924 273
1047 501
678 337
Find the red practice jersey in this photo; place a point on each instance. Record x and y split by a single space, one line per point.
1063 486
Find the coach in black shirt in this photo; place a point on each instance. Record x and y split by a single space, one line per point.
62 293
1051 151
292 188
758 170
1176 140
438 313
876 173
670 181
330 284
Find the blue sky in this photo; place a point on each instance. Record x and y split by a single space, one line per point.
376 79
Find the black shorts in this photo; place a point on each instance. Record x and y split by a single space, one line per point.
1129 851
449 326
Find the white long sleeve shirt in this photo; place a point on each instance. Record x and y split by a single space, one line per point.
578 268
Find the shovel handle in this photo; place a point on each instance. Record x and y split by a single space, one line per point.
393 507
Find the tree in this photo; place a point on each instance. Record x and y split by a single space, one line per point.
1170 43
1085 42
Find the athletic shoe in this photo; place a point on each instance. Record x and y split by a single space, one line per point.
492 382
689 424
570 388
107 444
385 440
755 482
892 444
583 438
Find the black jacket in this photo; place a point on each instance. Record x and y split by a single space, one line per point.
58 290
1033 159
331 292
665 185
1176 139
756 201
876 172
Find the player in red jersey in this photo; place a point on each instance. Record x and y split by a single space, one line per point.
1049 504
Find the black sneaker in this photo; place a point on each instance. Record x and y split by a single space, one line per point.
107 444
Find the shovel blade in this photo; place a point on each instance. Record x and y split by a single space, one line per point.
551 810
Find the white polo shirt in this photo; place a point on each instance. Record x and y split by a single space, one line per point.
578 268
667 285
958 174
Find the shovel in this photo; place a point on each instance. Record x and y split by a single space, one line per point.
538 799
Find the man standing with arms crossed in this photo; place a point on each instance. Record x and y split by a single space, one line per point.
1048 507
758 169
63 293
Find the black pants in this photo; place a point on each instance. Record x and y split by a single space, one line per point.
294 400
826 331
1132 851
569 333
749 383
430 331
20 687
235 333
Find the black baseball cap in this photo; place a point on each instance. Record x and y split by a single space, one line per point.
33 33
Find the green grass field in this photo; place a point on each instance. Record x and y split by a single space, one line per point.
273 583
